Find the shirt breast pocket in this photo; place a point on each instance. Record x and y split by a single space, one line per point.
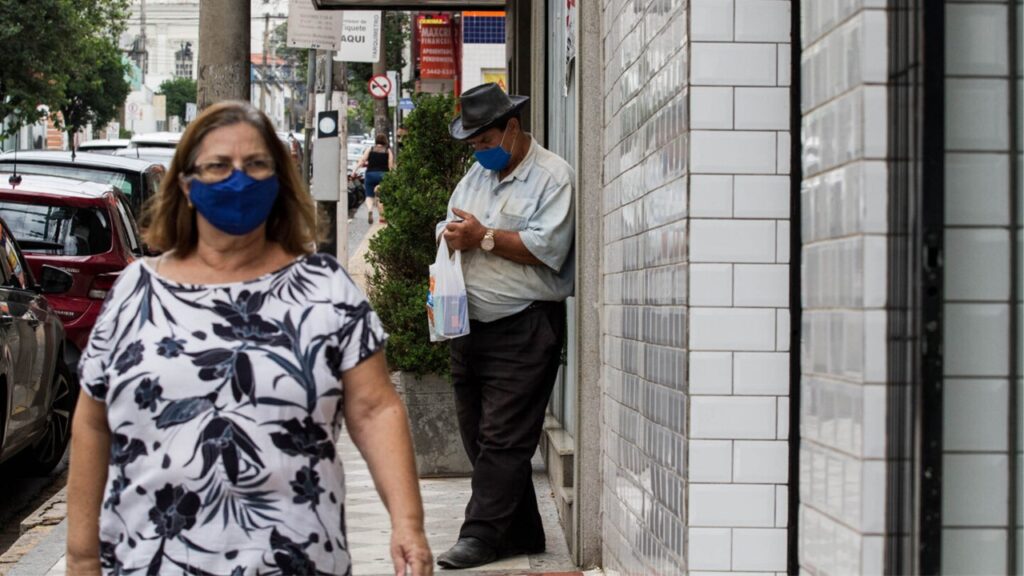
516 213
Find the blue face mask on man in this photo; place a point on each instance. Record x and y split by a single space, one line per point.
236 205
496 158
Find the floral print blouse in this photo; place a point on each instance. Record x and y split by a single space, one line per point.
224 403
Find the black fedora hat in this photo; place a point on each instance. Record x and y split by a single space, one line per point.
483 106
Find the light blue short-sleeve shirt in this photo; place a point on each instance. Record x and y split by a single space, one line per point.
536 200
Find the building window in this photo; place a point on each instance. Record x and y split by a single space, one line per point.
478 28
183 61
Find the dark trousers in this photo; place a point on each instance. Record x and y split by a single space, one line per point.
503 373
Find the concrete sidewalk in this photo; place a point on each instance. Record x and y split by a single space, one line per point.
368 523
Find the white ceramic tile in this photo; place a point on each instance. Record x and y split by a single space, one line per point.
732 152
874 192
876 271
874 414
872 489
762 21
975 415
976 339
710 373
709 548
710 461
980 552
875 356
732 241
783 153
711 20
761 373
785 65
976 114
763 549
732 505
711 284
710 196
976 40
763 462
711 107
782 421
762 108
782 244
876 122
759 285
732 329
732 417
782 330
977 187
732 64
781 506
974 490
762 197
975 254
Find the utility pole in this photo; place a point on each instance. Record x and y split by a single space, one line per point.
310 113
223 51
143 53
263 68
380 106
340 82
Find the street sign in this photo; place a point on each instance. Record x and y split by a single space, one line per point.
312 28
406 104
134 111
160 107
327 124
395 88
360 36
190 111
380 86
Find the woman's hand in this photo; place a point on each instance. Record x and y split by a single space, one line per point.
410 552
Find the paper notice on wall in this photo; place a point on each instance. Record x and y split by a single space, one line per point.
312 28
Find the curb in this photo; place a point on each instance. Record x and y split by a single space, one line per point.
51 513
48 545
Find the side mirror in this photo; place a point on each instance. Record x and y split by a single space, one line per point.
55 281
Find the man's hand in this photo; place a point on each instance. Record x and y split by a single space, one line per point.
464 235
411 553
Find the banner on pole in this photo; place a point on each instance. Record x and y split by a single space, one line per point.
437 47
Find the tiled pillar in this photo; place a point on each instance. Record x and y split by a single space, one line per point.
977 360
844 224
738 285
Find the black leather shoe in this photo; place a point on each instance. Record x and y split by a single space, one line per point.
468 552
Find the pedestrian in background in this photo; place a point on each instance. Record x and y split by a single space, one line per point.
378 160
217 378
512 218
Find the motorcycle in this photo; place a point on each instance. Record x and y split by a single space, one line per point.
356 189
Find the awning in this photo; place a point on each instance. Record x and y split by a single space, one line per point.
420 5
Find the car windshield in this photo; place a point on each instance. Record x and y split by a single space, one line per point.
57 230
99 175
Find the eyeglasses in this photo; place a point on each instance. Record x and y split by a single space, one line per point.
217 170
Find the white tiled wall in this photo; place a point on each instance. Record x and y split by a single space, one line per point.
739 285
476 58
844 215
977 246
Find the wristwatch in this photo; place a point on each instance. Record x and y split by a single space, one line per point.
487 244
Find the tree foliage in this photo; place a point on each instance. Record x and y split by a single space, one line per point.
62 54
179 91
416 194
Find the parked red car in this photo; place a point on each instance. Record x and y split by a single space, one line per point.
83 228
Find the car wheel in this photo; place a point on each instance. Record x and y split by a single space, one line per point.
47 452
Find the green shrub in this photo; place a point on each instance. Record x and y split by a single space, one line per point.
415 197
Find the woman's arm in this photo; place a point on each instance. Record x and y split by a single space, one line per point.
376 420
90 453
364 159
391 160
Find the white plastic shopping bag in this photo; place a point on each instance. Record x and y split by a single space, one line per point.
447 307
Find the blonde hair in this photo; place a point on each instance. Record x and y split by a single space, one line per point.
172 223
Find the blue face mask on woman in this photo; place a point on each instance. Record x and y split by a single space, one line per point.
496 158
236 205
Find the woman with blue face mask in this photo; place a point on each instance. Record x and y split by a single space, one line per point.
219 374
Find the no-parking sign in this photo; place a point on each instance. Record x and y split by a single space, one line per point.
380 86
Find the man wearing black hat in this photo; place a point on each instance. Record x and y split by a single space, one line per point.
512 218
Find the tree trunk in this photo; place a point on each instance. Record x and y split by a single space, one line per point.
223 51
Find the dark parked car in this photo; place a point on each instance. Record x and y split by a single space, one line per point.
37 390
83 228
138 179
